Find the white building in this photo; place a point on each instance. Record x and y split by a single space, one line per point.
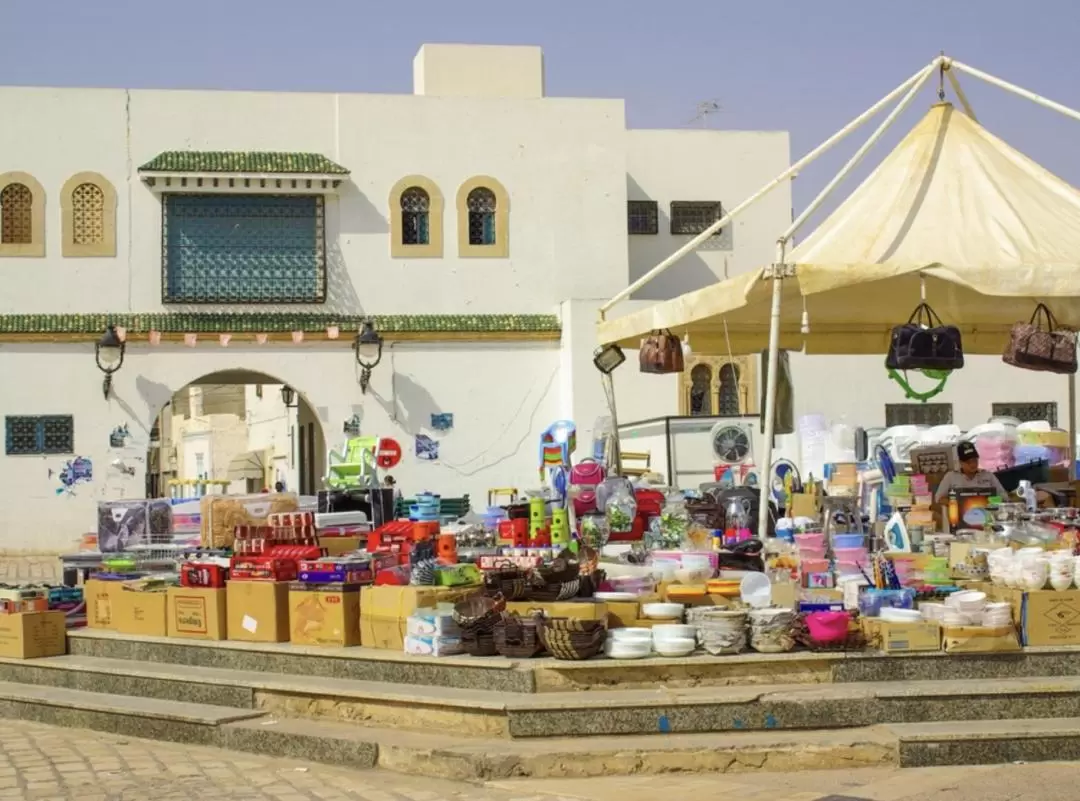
478 221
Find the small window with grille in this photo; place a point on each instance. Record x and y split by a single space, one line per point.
1027 412
642 217
694 216
918 414
25 436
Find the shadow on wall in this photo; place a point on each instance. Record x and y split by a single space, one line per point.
409 405
357 214
646 251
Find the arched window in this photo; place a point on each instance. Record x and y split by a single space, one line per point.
415 217
481 204
730 401
483 208
16 208
700 400
88 214
22 215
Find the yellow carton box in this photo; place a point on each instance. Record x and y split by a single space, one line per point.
581 610
258 611
99 597
324 614
29 635
197 613
385 610
902 638
136 612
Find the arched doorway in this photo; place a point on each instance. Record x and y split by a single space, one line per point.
238 431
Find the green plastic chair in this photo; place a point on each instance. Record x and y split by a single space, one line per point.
355 467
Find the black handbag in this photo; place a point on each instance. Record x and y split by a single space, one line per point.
925 343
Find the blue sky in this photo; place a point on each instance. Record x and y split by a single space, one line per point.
798 65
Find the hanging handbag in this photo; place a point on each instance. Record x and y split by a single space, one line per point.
661 352
925 343
1033 347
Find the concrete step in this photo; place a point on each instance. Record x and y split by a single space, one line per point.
478 713
496 674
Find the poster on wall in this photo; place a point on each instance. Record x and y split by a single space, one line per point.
427 449
442 421
79 470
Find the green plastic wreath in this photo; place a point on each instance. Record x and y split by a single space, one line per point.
941 376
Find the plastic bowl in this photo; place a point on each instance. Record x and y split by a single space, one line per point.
675 647
673 631
663 611
627 649
828 627
631 635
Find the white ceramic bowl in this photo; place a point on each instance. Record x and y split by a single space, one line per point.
663 611
673 631
675 647
900 615
627 649
630 635
693 575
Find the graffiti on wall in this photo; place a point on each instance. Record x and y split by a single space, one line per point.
79 470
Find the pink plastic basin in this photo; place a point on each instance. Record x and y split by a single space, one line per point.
828 627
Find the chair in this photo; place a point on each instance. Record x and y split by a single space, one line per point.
355 467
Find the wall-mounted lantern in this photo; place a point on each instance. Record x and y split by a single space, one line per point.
109 355
367 347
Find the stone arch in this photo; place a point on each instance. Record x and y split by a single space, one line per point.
32 245
500 248
433 248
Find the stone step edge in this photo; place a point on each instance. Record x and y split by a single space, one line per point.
541 703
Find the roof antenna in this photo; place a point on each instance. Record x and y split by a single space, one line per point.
941 79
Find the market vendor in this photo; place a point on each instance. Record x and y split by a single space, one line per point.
969 476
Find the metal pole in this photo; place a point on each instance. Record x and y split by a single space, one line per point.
615 459
959 92
1072 427
770 390
1016 90
860 153
788 173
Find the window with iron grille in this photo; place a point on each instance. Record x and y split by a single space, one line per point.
918 414
694 216
642 217
25 436
243 249
1027 412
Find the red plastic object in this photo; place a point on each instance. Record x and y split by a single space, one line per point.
636 532
649 502
388 453
262 568
195 574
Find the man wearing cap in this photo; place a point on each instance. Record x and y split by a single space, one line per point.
969 476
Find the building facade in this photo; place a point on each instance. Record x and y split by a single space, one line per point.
477 222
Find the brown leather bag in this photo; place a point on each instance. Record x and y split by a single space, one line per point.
661 352
1047 349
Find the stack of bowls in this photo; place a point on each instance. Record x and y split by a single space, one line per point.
674 639
1034 568
630 643
1000 563
811 545
964 608
1062 568
771 630
1076 574
932 612
997 615
721 631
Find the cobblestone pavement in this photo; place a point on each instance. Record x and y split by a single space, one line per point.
45 763
30 569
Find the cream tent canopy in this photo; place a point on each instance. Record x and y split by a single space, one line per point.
953 210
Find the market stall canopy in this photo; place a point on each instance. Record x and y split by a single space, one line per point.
989 231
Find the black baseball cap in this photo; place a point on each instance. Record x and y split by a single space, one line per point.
965 451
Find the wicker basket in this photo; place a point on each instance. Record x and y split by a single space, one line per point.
478 643
551 593
590 583
478 612
573 639
510 582
561 570
519 637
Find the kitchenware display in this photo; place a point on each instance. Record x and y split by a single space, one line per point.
721 631
771 630
756 590
663 611
669 631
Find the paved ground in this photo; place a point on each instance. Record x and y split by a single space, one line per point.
45 763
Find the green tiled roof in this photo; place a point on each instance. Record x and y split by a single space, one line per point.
259 323
242 161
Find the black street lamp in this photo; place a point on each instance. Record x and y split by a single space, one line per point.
288 395
368 349
109 355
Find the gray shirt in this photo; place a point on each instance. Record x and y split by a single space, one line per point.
954 479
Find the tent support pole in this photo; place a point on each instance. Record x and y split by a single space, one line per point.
790 172
1016 90
920 81
765 489
954 82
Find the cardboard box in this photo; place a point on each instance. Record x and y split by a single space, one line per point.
324 614
581 610
977 640
902 638
137 612
258 611
29 635
99 597
337 546
384 611
197 613
1048 617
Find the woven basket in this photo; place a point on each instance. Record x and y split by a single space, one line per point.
561 570
519 637
478 643
478 612
511 583
572 639
590 583
551 593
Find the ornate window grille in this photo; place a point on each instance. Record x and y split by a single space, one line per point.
415 217
16 215
642 217
481 204
918 414
243 249
87 215
1028 412
51 434
692 216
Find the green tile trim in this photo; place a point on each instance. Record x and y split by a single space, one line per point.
259 323
242 161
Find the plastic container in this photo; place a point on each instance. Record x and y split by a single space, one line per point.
858 555
828 627
844 541
812 553
816 565
815 539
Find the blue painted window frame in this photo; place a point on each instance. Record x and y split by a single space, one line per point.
256 281
44 440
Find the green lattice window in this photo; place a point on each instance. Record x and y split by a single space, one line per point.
29 435
243 249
